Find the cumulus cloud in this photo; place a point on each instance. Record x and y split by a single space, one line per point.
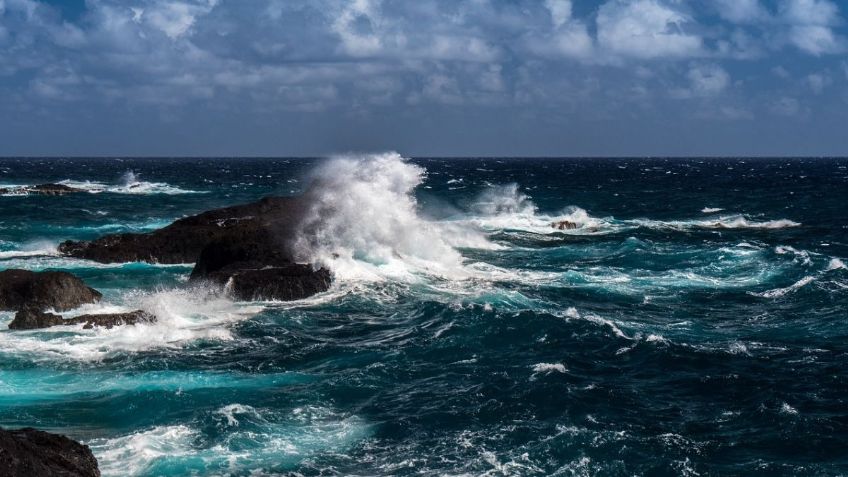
317 55
646 29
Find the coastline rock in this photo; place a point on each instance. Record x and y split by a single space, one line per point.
60 291
32 453
33 319
112 319
52 189
258 270
565 225
243 248
269 222
291 282
41 189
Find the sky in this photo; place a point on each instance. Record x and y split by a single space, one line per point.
423 77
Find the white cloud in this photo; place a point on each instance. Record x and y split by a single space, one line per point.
646 29
560 11
174 18
811 25
785 106
818 82
708 80
742 11
705 80
355 24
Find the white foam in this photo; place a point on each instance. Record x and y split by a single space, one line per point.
364 225
548 368
36 248
779 292
183 316
711 210
130 183
269 444
725 222
836 264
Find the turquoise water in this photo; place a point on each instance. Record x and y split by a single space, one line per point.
693 324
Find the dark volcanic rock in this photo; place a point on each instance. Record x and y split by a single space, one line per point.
110 320
244 247
565 225
258 270
270 222
32 319
51 189
290 282
32 453
60 291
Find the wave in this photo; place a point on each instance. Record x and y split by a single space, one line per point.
183 316
253 440
35 248
130 183
363 223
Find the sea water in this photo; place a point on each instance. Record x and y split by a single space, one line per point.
695 322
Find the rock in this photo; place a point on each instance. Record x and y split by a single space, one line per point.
291 282
32 319
32 453
52 189
244 247
565 225
60 291
258 270
270 221
110 320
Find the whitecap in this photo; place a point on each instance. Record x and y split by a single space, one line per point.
548 368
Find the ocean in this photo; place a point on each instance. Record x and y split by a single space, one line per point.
691 319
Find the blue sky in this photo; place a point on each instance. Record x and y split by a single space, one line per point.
424 77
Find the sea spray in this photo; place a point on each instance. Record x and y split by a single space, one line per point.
363 222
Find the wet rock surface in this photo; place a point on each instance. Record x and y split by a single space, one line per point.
32 453
244 248
59 291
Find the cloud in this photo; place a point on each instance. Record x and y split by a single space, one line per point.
560 11
646 29
742 11
708 80
811 25
705 80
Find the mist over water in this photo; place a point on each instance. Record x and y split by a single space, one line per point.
690 320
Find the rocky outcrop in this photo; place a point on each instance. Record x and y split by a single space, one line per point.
59 291
32 453
32 319
243 249
565 225
269 222
41 189
112 319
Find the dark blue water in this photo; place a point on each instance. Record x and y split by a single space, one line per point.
694 323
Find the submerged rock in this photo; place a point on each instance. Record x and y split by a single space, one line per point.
60 291
32 453
565 225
